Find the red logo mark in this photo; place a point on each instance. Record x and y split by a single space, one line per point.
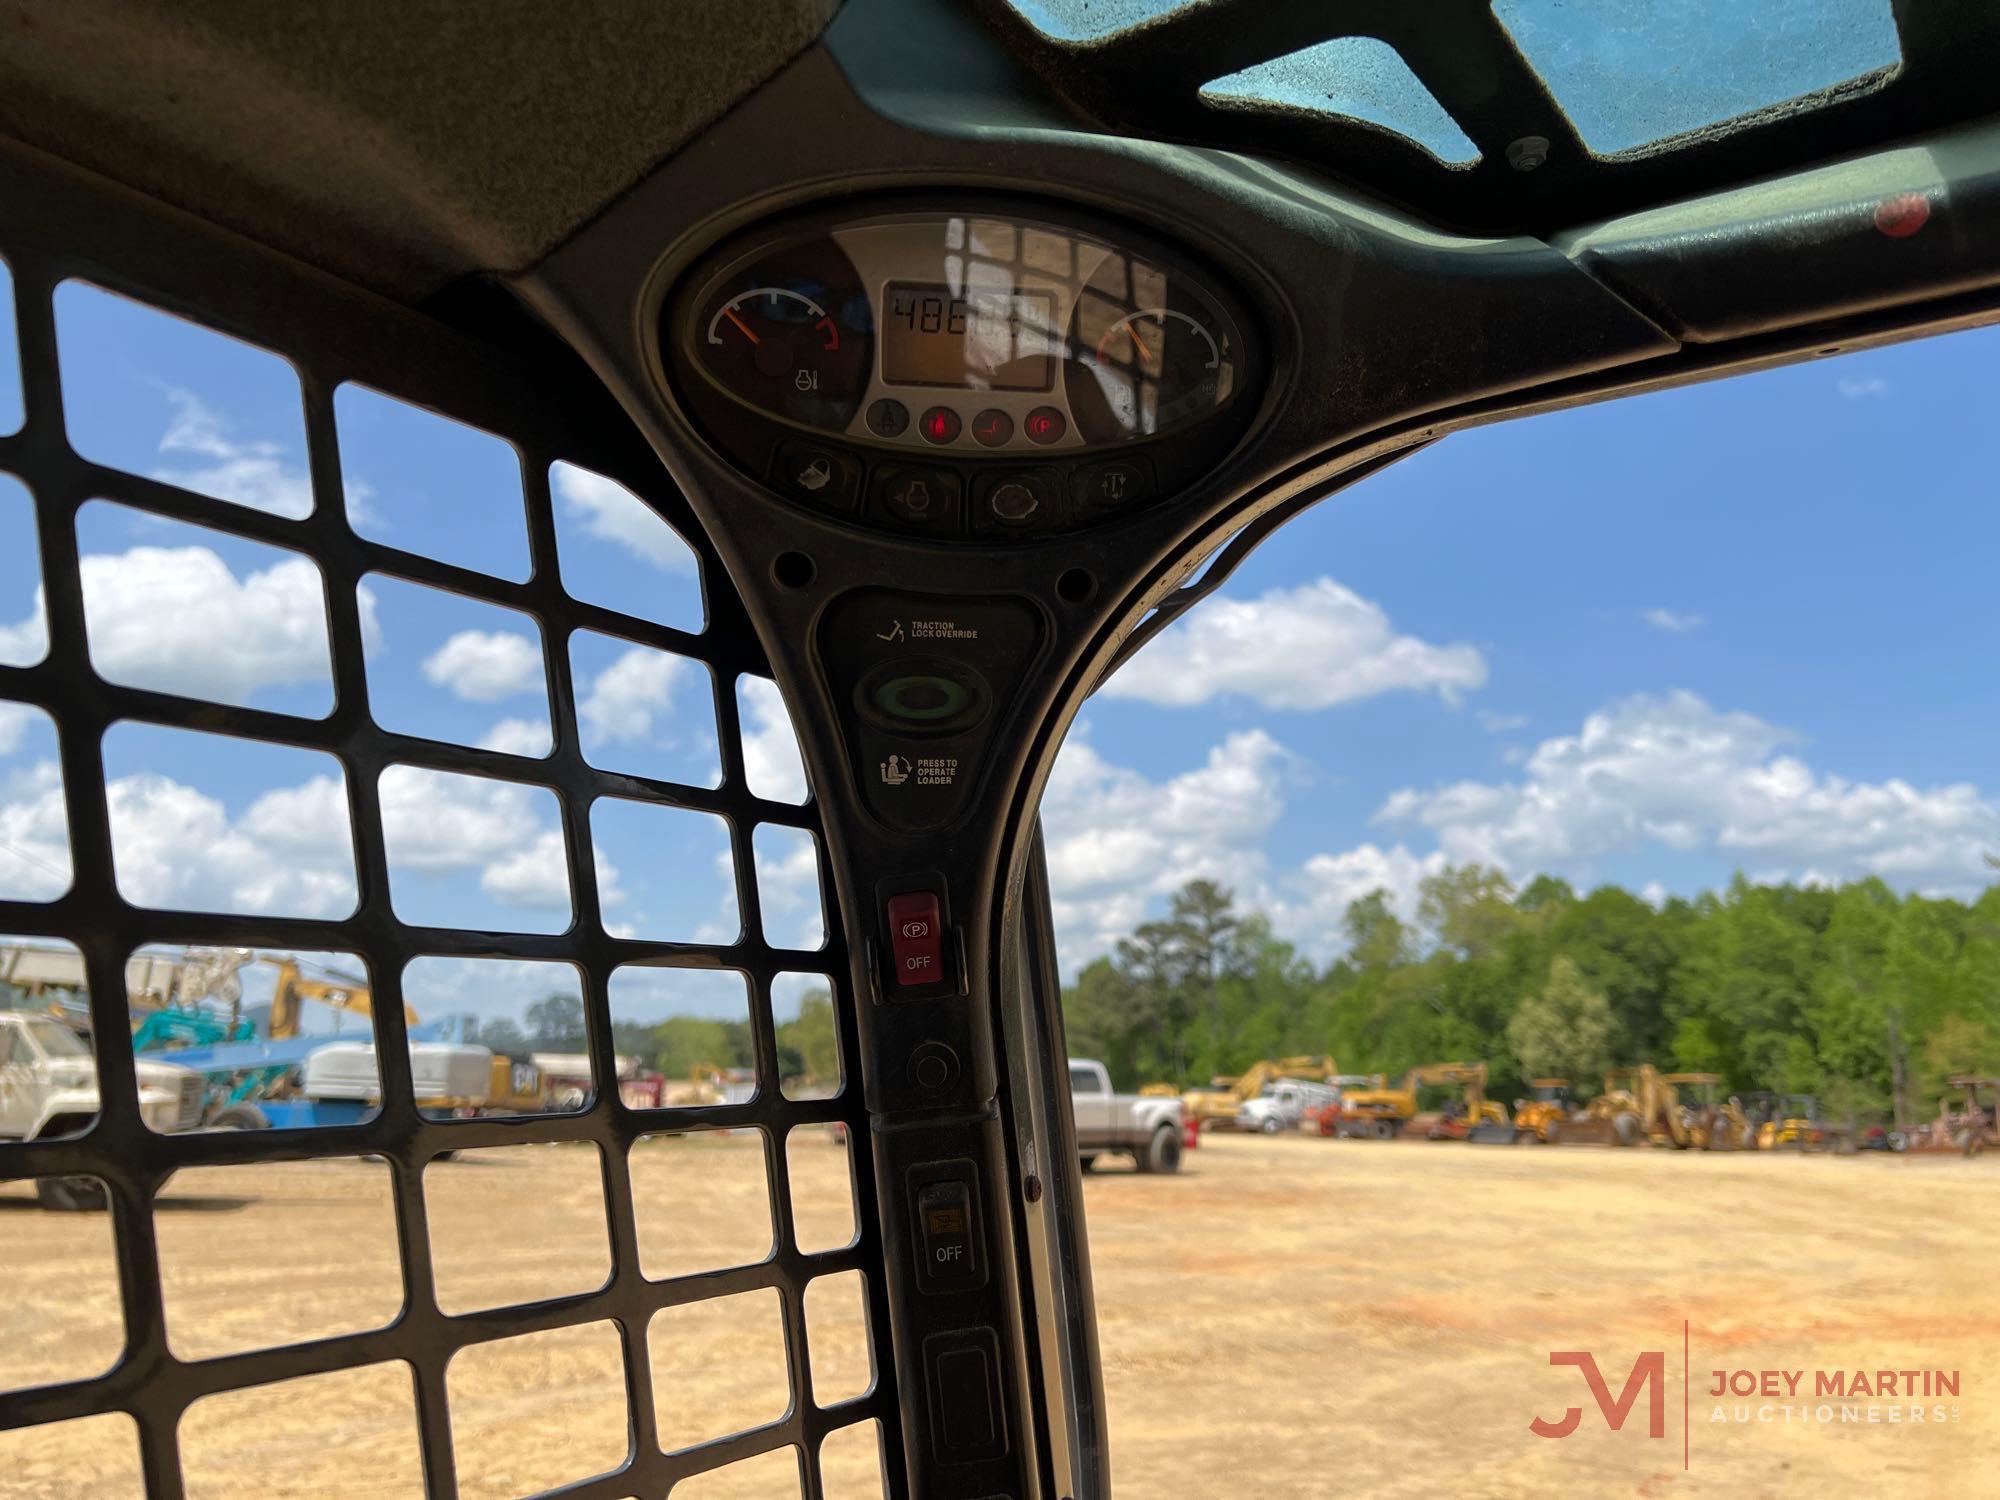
1649 1370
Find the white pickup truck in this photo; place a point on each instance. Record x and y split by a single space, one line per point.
1136 1125
48 1087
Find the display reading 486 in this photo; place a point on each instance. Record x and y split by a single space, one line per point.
997 340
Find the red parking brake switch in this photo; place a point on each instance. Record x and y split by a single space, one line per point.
914 940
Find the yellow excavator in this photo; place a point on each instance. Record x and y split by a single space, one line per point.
1225 1096
1382 1113
293 988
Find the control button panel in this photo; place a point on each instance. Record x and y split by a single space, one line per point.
916 942
922 684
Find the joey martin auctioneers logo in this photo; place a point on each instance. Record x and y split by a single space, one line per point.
1823 1397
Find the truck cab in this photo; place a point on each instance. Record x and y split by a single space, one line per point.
48 1088
1145 1127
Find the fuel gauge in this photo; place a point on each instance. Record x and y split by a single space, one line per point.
790 335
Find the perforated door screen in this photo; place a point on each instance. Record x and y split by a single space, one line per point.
384 756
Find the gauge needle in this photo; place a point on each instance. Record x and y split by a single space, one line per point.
730 313
1139 343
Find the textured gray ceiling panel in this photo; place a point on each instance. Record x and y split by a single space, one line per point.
399 145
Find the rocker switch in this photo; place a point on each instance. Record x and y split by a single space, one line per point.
949 1244
915 944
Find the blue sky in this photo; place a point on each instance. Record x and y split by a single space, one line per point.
1744 625
1657 641
205 821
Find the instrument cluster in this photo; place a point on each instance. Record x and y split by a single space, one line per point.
960 373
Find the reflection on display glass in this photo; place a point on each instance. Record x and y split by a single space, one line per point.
980 339
868 327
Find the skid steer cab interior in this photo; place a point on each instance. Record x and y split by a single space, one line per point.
867 382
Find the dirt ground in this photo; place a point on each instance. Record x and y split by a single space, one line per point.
1290 1317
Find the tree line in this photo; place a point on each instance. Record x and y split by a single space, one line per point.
676 1046
1866 998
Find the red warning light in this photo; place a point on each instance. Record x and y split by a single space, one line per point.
939 425
1044 425
1903 215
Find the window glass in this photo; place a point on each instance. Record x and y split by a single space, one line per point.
1580 837
161 397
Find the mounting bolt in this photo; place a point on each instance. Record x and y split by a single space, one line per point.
1032 1188
1528 153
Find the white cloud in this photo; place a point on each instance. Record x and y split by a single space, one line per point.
16 719
1494 723
1117 840
771 761
1677 773
535 875
613 513
26 642
787 886
251 473
484 666
288 855
1309 647
518 737
178 620
1856 388
627 696
1673 622
34 829
1316 898
440 821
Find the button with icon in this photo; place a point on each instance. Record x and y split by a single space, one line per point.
917 497
1112 486
820 476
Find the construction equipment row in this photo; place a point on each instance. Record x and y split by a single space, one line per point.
1637 1106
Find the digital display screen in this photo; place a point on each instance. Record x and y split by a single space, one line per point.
986 339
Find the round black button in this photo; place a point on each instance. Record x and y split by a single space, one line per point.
922 695
887 418
1045 425
992 427
1013 502
933 1068
922 699
940 425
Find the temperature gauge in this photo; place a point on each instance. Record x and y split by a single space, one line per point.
1148 371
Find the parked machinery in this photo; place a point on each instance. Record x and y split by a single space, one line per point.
1225 1098
1785 1122
1382 1113
1546 1112
1976 1125
1712 1123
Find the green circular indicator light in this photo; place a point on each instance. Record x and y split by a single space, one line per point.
922 699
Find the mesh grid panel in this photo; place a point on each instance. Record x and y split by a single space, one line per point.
549 412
